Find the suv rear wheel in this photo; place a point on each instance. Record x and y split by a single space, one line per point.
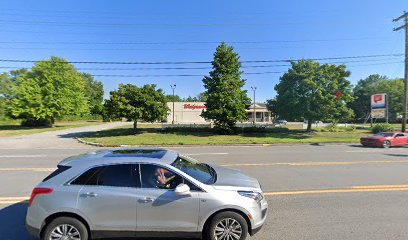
65 228
227 226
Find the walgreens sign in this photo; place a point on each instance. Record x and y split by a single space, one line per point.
194 106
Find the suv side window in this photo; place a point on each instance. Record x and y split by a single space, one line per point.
88 178
159 177
59 170
120 175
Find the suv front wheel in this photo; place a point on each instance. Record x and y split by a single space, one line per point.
65 228
227 226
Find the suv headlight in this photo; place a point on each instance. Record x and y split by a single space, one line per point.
254 195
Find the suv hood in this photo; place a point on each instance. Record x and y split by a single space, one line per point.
231 178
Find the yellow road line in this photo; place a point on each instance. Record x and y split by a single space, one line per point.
28 169
13 200
380 186
246 165
354 189
311 163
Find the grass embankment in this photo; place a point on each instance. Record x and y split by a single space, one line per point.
155 136
9 128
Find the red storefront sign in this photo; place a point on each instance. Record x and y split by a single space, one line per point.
194 106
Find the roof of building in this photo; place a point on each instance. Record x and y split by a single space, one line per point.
259 107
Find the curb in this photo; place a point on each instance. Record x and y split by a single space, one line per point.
89 143
218 145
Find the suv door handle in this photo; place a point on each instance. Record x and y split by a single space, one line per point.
145 200
88 195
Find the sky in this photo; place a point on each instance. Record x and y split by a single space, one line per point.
189 31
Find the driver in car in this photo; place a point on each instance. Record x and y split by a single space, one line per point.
164 178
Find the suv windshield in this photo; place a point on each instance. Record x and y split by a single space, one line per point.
199 171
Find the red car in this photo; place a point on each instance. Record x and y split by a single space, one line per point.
385 140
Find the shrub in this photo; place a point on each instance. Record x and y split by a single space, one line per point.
261 129
37 122
350 128
186 129
333 127
236 130
81 118
382 127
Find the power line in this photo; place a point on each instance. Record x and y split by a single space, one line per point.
184 42
120 13
203 62
137 49
197 75
173 75
208 68
96 24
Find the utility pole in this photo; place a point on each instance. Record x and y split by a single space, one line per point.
404 110
173 87
254 90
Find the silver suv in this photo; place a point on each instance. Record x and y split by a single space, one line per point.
144 193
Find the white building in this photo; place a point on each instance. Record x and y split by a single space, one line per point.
189 113
263 115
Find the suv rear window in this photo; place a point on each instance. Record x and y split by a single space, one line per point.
59 170
120 175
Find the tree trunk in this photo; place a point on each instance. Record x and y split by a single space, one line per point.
135 125
309 125
52 122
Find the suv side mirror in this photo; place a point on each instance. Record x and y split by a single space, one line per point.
182 190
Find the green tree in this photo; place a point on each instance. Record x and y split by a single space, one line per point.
314 92
375 84
190 99
94 93
50 90
137 104
394 88
226 100
4 92
272 106
202 97
171 98
7 81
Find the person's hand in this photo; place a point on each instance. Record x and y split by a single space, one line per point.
161 178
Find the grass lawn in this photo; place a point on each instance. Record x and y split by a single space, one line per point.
153 136
11 128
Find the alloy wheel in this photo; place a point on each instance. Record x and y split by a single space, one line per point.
65 232
228 229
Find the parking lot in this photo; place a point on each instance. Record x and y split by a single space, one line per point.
314 191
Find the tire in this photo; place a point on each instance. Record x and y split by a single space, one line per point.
386 144
73 226
234 219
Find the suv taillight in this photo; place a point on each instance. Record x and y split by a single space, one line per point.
37 191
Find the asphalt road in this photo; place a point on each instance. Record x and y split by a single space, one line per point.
314 192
